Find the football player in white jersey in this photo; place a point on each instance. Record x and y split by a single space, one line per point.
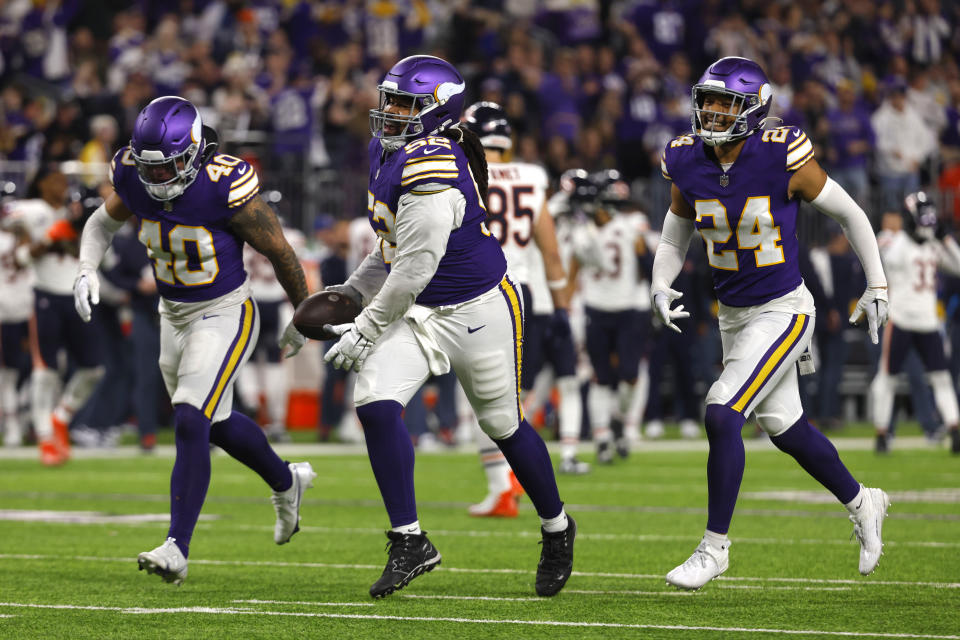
16 306
911 258
51 254
517 216
264 373
608 251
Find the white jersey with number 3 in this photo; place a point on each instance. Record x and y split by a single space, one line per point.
911 270
610 275
516 193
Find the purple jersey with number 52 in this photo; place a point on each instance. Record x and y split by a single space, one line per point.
473 262
195 254
748 224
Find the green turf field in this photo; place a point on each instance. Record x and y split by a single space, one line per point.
793 570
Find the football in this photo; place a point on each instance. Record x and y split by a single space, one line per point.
324 307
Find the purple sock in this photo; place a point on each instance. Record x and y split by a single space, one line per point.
818 457
724 464
527 455
191 473
391 456
244 440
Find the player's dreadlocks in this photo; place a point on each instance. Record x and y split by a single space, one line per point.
470 143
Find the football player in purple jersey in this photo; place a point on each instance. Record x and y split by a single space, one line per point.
195 209
437 297
740 186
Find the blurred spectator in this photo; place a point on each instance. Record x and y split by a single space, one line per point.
851 142
903 142
99 150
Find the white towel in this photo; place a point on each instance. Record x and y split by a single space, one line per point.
419 317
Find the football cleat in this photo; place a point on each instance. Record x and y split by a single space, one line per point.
706 563
287 503
881 445
166 561
604 453
556 559
496 505
51 454
868 526
689 430
654 430
61 435
410 556
955 440
572 466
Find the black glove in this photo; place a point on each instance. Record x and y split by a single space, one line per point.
940 231
560 324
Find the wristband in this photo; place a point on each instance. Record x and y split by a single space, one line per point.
556 284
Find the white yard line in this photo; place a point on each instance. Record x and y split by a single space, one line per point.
460 620
588 574
310 603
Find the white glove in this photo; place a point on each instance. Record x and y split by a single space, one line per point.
873 304
86 293
293 339
661 306
351 350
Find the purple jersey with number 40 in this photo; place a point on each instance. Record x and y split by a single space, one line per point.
195 254
473 262
747 222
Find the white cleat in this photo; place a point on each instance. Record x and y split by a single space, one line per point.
706 563
654 430
287 503
166 561
867 527
689 430
572 466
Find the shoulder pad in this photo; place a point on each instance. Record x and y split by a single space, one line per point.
799 148
232 177
121 159
430 160
673 147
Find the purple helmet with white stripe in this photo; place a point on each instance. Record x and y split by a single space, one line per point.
435 92
166 146
746 85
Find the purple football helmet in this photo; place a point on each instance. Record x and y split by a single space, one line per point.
435 90
745 83
489 121
166 146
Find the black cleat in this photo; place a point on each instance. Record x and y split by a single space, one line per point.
623 448
604 453
556 559
881 447
410 556
955 440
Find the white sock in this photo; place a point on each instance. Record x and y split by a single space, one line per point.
716 540
854 505
412 528
554 525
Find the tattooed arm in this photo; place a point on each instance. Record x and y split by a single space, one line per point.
257 224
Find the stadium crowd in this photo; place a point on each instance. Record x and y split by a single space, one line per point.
586 84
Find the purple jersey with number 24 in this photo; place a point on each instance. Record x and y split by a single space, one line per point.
747 222
195 254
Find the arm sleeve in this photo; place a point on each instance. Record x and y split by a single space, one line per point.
671 251
837 203
424 222
369 276
96 237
